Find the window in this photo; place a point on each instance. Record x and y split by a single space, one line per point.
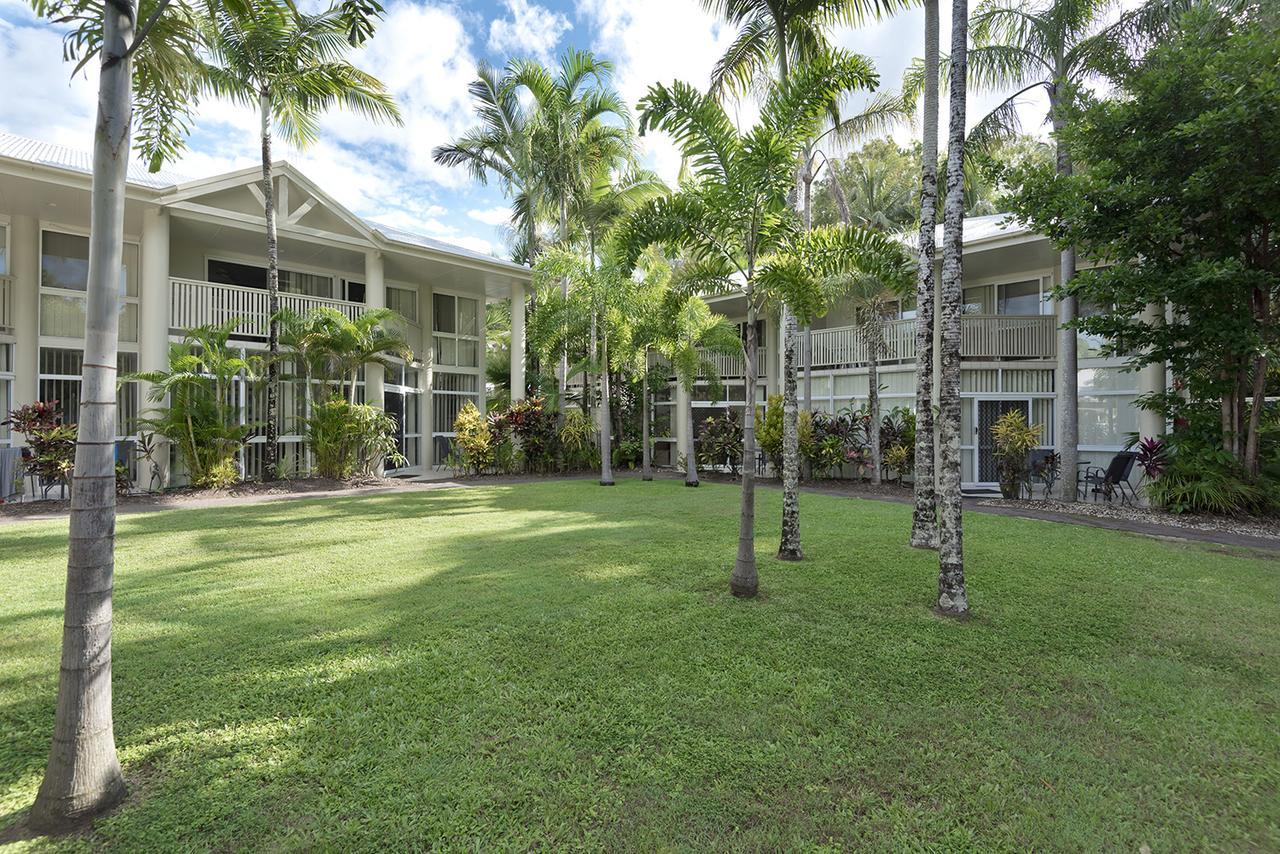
404 302
1020 298
60 375
977 300
352 291
450 393
1107 410
456 324
4 250
253 276
64 277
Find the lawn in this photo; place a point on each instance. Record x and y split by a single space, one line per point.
561 665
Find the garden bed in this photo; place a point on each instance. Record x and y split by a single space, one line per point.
1252 526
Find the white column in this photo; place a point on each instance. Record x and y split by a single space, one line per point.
774 379
517 341
682 421
427 380
375 296
482 309
1152 379
24 266
153 317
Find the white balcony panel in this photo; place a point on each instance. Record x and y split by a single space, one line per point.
195 303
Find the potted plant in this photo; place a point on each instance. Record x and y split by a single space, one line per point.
1014 439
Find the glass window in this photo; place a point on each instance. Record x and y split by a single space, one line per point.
1021 298
443 318
468 353
468 317
404 302
306 284
64 263
63 316
446 350
1107 419
977 300
4 250
352 291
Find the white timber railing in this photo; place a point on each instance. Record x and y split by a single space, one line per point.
6 302
195 303
731 366
982 336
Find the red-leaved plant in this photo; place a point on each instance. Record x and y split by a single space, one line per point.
1152 456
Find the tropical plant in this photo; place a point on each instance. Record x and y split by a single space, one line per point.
290 65
1014 438
473 440
156 66
898 459
720 442
1200 483
733 212
197 409
577 435
1152 456
534 428
51 444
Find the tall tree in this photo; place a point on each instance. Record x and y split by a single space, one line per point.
580 129
953 599
776 36
157 65
290 66
501 146
1055 47
734 211
924 525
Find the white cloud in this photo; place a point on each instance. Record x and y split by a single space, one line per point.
41 98
531 30
497 215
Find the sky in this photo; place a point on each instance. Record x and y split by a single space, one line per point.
426 52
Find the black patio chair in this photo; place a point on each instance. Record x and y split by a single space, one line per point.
1043 467
1111 481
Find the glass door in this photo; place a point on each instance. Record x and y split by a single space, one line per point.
989 411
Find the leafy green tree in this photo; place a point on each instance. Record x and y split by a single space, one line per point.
147 78
733 212
874 187
290 65
501 146
1180 192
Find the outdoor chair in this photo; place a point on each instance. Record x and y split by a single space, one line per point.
1111 481
1043 469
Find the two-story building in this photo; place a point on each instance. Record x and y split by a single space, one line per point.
1009 350
194 254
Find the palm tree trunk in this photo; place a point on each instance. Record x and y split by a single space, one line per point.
924 524
808 328
83 775
1259 392
745 582
952 597
564 296
1068 414
691 458
873 398
606 417
646 458
789 549
271 464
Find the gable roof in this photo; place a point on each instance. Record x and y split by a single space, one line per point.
62 157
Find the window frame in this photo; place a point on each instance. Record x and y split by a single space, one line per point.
455 336
74 343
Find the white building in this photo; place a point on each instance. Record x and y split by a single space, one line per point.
195 254
1009 348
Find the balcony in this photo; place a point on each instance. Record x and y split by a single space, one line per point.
982 336
194 303
6 303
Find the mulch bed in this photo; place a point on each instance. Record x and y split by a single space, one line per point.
1268 528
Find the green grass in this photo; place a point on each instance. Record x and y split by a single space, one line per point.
560 665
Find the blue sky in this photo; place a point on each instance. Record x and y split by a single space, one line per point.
426 53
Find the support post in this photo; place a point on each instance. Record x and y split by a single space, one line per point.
25 268
375 296
517 341
153 318
1152 379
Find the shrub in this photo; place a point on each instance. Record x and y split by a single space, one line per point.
826 440
769 434
629 454
720 442
1203 483
52 444
473 441
577 437
1014 439
533 429
899 459
347 440
1152 457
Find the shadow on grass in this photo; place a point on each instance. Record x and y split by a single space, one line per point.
524 666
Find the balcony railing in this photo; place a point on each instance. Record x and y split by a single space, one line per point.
194 303
734 366
982 336
6 303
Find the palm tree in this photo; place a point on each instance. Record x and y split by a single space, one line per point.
290 66
502 146
580 129
788 33
1055 47
952 598
924 518
342 346
733 212
156 65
